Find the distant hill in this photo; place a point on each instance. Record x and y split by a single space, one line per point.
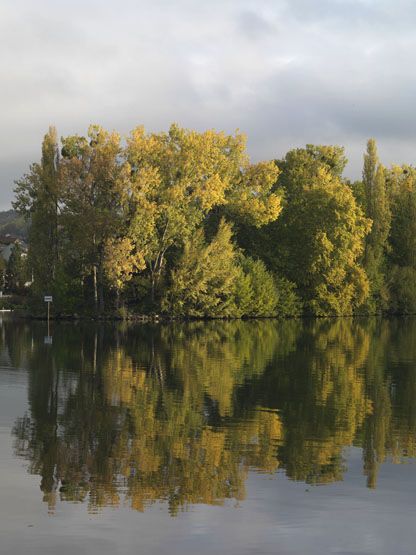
13 223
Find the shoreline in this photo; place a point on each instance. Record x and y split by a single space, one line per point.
158 318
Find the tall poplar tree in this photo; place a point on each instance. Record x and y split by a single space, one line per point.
402 255
378 210
38 196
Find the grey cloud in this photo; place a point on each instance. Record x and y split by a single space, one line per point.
330 10
286 72
255 26
369 12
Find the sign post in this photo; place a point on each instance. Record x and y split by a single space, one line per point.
48 300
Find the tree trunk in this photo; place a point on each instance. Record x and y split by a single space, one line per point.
101 294
94 362
100 275
94 279
152 293
157 272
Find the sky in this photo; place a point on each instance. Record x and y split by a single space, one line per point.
285 72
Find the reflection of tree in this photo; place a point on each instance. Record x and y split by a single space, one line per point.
319 391
144 414
181 412
390 431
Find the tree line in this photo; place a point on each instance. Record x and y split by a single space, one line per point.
181 223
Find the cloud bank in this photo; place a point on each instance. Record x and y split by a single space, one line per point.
285 72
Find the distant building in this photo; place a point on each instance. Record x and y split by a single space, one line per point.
7 243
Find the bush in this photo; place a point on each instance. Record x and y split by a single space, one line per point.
203 284
255 289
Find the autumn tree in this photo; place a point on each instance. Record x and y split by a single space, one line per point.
94 180
179 177
319 238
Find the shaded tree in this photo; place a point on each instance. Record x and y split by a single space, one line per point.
38 197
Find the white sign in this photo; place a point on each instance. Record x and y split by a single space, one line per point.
47 340
48 299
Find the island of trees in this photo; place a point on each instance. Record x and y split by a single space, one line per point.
181 224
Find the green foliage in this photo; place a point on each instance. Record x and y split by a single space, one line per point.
37 198
255 289
67 294
301 165
289 304
377 206
93 179
402 253
320 235
203 284
403 229
403 289
16 270
214 280
358 190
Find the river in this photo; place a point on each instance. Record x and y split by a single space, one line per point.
256 437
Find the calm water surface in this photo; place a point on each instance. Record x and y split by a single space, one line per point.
221 437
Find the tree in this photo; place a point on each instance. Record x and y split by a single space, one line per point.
15 277
94 181
403 226
38 197
181 176
203 283
216 279
3 267
378 210
402 252
289 304
255 289
318 240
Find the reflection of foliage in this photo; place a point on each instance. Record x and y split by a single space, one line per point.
145 419
181 412
325 400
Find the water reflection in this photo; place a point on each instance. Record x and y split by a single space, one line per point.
180 413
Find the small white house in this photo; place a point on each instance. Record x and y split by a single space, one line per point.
7 243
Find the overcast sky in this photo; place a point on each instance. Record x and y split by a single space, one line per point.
285 72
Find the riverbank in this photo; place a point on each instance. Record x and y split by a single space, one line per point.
164 318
